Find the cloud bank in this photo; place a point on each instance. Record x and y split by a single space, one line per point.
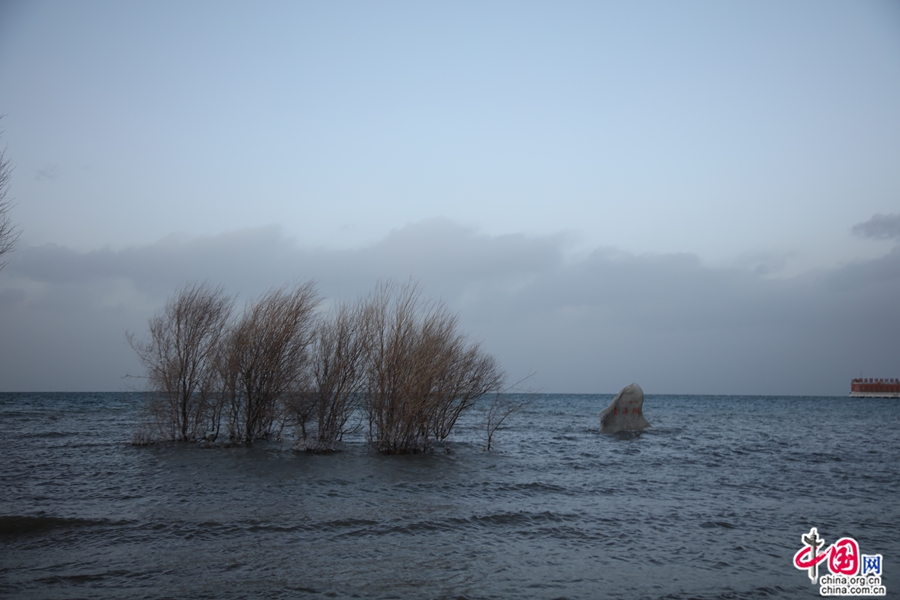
587 324
879 227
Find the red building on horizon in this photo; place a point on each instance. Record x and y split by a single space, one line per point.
875 388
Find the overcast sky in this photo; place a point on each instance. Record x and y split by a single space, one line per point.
702 197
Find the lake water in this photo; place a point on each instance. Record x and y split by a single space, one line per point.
710 502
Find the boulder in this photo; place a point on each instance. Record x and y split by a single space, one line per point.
625 412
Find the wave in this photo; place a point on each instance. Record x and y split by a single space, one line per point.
28 524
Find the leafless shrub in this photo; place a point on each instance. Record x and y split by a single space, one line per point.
504 404
264 359
8 232
337 371
178 358
500 408
421 374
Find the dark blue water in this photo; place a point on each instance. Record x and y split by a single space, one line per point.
709 503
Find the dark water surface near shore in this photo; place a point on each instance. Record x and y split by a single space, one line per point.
709 503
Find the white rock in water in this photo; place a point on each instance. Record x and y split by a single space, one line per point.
625 412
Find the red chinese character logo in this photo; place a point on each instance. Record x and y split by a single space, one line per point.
844 558
843 555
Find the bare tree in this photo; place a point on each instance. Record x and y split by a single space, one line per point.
178 358
421 374
9 234
504 404
497 412
264 359
337 371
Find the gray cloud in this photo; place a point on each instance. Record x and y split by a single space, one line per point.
879 227
588 324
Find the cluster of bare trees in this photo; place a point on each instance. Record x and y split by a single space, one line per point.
389 362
